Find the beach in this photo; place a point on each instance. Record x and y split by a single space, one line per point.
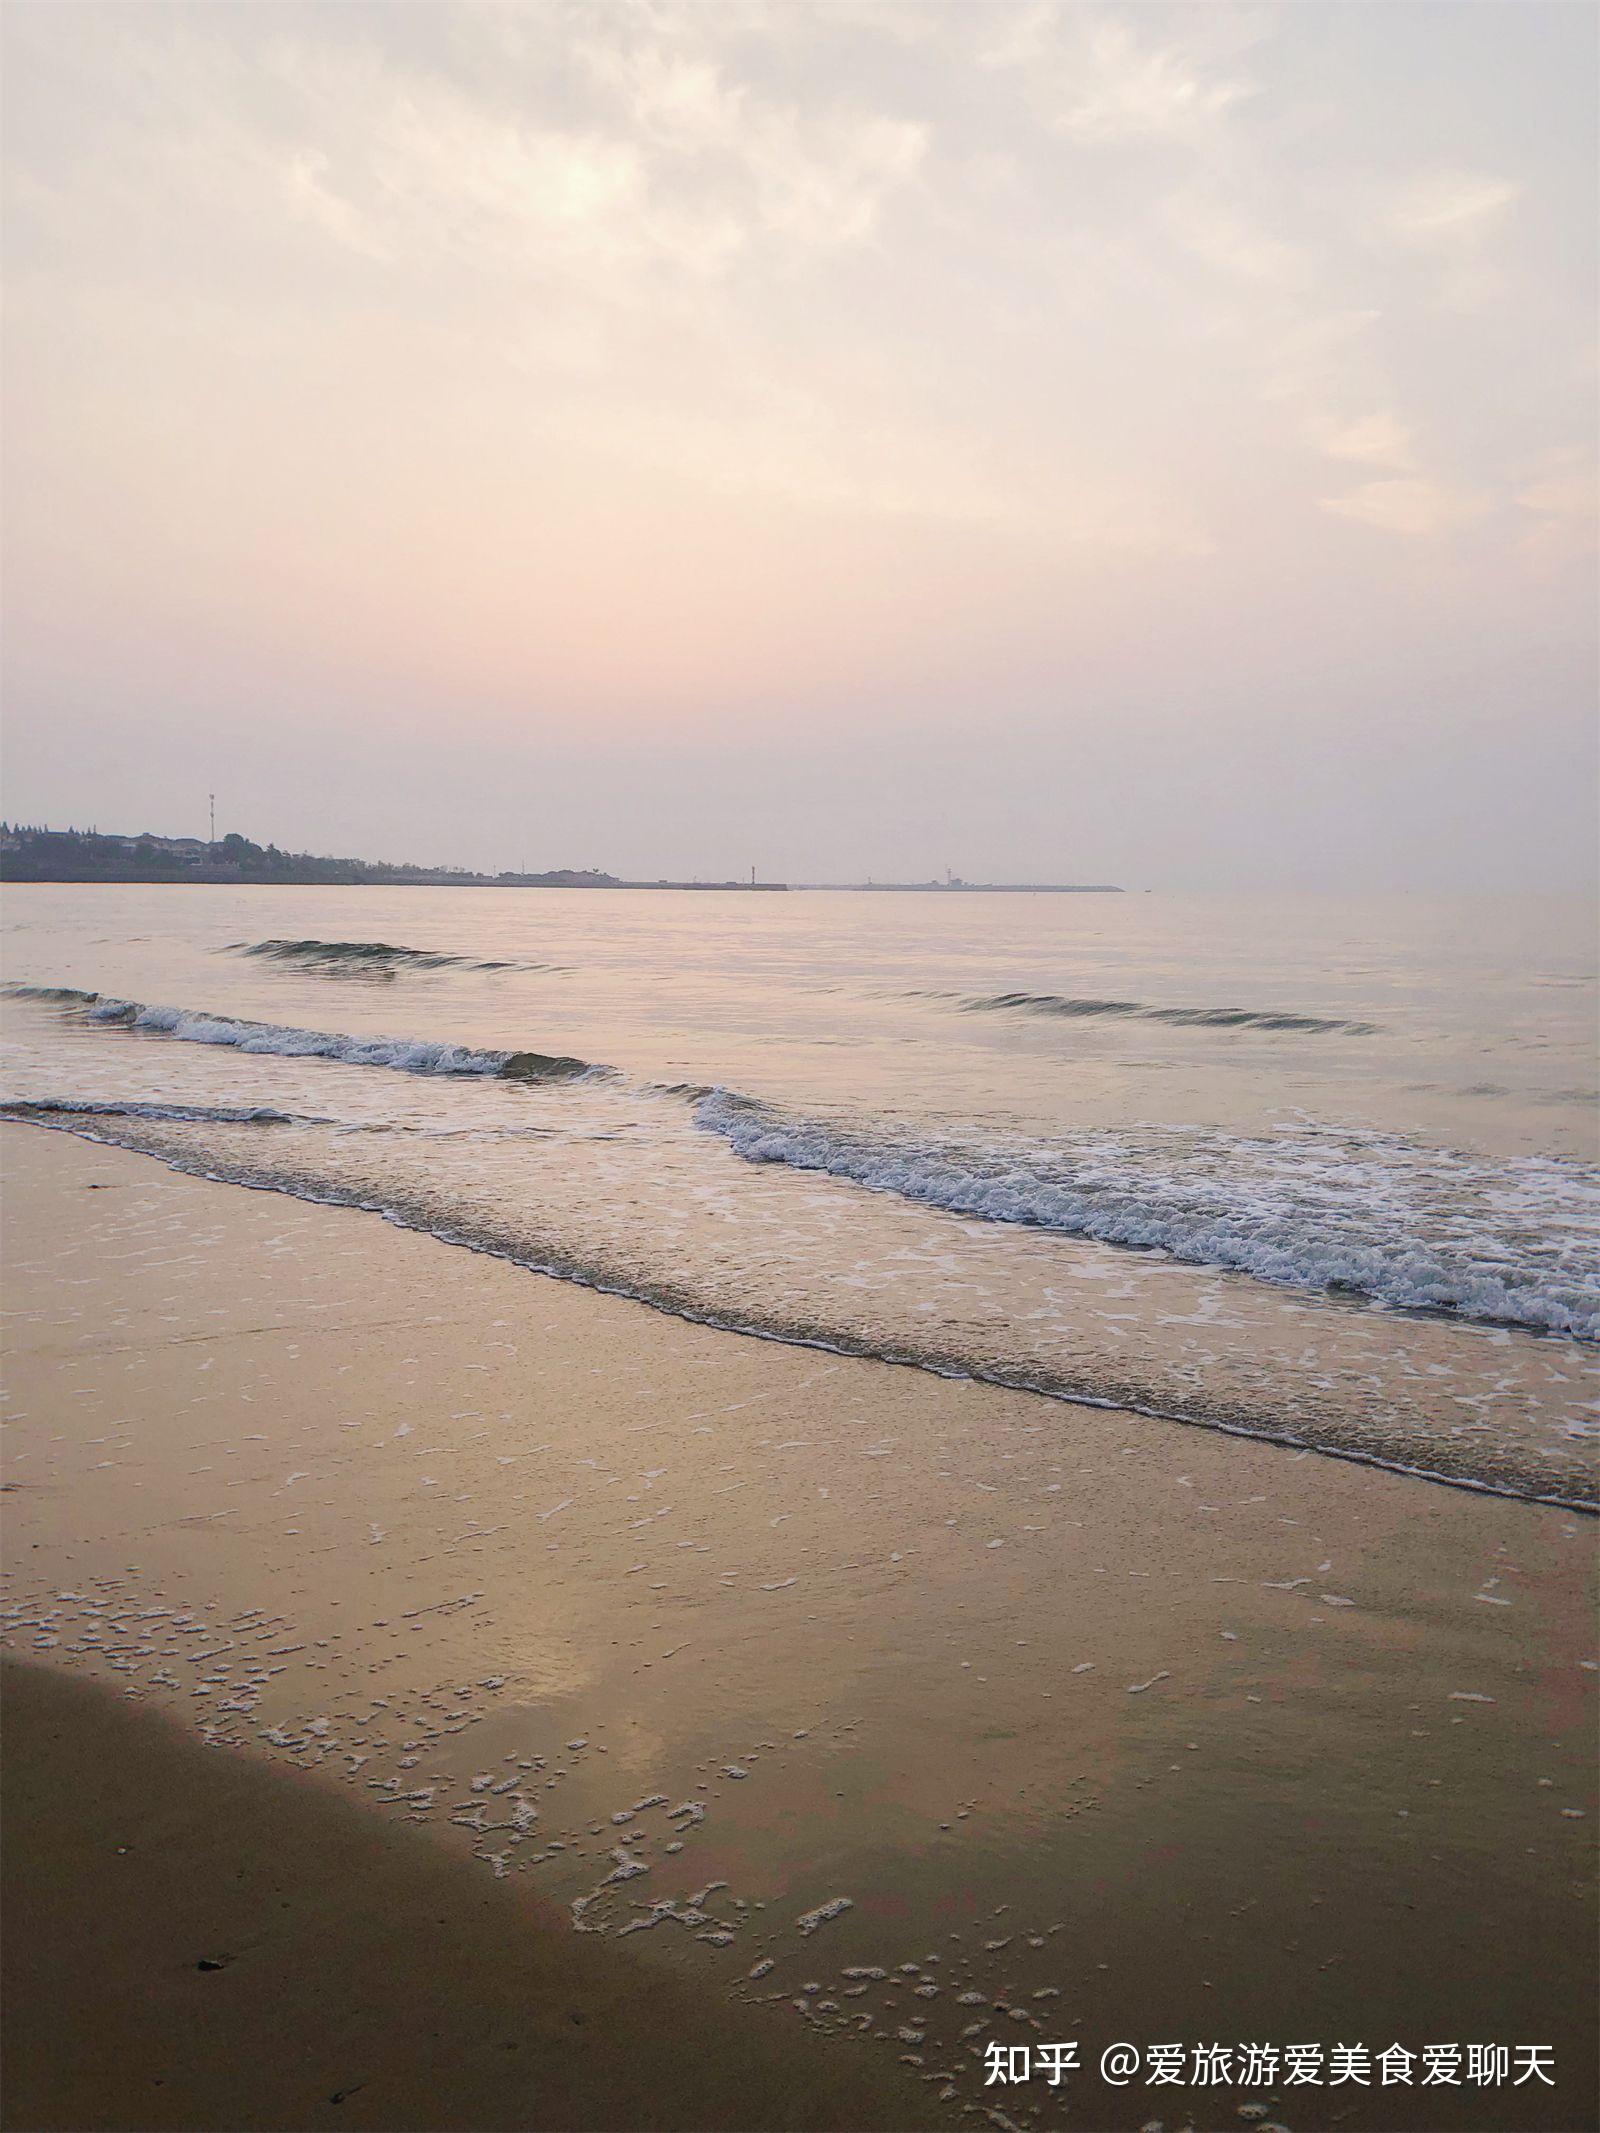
800 1241
882 1715
315 1965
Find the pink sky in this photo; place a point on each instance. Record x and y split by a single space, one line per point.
1130 443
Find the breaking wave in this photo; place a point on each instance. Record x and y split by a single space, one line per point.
362 955
1384 1426
1376 1218
1050 1003
407 1055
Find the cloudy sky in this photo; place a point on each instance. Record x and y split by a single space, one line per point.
1135 443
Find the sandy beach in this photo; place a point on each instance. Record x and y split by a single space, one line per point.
800 1252
315 1965
881 1716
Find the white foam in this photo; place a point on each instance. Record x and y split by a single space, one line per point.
808 1921
407 1055
1312 1208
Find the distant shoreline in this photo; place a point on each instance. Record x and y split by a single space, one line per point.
38 853
969 888
287 878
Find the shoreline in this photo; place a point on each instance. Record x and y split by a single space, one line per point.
950 1650
313 1966
603 1281
221 877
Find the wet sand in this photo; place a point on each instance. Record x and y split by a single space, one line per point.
201 1940
1108 1729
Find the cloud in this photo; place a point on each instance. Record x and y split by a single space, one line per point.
1453 218
817 176
1563 486
1104 82
1127 89
1380 439
1561 506
1234 244
1444 205
1412 505
608 151
1056 273
305 184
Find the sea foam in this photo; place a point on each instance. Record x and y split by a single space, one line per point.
407 1055
1376 1217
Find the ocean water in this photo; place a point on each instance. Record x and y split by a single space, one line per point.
1310 1169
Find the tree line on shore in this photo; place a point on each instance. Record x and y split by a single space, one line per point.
32 852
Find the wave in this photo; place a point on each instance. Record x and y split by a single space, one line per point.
365 955
1376 1219
1050 1003
406 1055
47 1107
1281 1414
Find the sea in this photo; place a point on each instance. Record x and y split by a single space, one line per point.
1317 1170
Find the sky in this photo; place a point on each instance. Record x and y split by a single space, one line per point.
1123 443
